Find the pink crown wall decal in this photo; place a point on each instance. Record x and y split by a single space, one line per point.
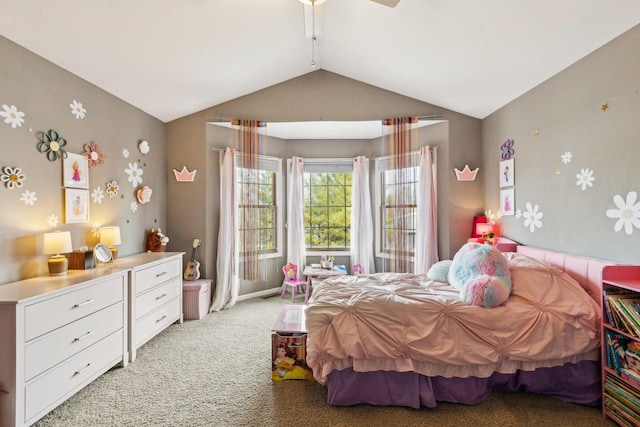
184 175
466 174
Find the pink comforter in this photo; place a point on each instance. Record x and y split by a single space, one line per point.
405 322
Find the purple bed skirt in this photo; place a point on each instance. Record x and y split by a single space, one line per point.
573 382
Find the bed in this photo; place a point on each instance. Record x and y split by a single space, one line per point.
403 340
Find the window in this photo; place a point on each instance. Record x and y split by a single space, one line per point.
398 210
396 218
258 202
327 210
327 204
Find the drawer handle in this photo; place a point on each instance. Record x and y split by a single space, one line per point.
161 274
83 336
79 371
161 296
89 301
161 319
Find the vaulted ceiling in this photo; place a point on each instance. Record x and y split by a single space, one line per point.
171 58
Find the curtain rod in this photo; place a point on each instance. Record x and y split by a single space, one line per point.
224 119
432 148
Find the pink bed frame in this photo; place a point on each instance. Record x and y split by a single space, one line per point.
575 383
586 271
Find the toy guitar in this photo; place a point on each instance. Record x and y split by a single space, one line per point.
192 272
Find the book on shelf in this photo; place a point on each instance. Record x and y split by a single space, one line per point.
620 412
616 350
631 376
612 315
632 308
619 390
623 315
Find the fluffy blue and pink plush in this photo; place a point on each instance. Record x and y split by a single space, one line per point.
480 272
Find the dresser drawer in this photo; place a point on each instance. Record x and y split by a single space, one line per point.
150 277
54 347
157 320
50 314
149 301
67 378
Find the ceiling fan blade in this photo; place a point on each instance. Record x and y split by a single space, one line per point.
390 3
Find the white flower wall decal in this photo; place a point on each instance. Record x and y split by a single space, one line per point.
12 116
95 230
77 109
97 195
28 197
134 206
566 157
532 217
125 153
112 188
492 217
12 177
144 147
627 214
585 178
518 213
53 220
135 174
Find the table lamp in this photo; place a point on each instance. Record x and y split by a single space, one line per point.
58 243
110 236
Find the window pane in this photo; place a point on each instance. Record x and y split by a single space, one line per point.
327 209
319 216
337 195
337 238
318 238
257 210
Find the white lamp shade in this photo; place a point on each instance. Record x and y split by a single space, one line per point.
58 242
110 235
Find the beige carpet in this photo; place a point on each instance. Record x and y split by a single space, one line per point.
217 372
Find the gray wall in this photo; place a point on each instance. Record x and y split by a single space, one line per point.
320 95
566 112
43 92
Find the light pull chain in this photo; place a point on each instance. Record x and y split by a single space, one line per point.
313 34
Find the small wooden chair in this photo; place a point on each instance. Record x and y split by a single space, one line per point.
357 269
291 281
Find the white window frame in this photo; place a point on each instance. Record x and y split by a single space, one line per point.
320 165
382 164
273 164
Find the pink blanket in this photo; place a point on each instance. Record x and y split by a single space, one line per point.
404 322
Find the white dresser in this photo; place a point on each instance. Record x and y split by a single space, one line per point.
57 334
155 294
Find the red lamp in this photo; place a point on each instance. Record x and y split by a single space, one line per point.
480 225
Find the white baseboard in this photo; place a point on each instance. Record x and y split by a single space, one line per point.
261 294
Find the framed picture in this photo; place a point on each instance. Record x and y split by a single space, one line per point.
507 173
76 205
507 202
75 171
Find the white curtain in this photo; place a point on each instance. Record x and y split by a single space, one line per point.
227 282
426 249
296 248
361 216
